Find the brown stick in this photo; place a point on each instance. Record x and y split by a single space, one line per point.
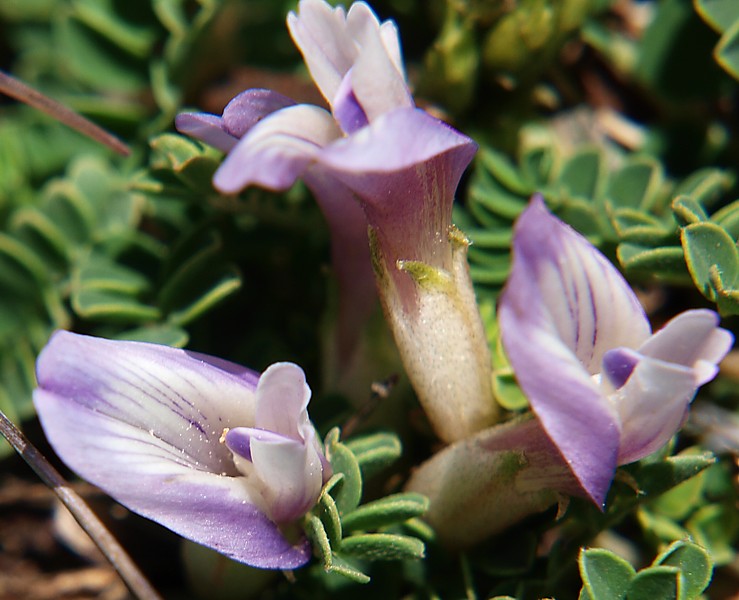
15 88
109 546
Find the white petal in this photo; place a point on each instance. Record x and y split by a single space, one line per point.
652 406
693 339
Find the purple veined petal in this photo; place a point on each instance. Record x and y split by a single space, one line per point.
282 401
378 85
134 418
186 398
130 464
249 107
569 404
652 406
589 302
277 150
320 34
289 471
693 339
206 128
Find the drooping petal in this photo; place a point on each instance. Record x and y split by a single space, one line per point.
692 339
276 151
320 34
652 405
206 128
142 422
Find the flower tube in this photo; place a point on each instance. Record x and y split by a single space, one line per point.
213 451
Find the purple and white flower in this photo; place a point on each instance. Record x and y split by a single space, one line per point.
606 390
209 449
375 161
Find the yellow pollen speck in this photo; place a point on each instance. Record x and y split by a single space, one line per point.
222 439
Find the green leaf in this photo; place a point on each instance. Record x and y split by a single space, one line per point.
504 171
728 218
103 305
386 511
536 165
582 174
655 478
605 575
727 51
666 263
705 186
101 273
383 546
688 210
507 391
715 527
101 17
375 452
167 335
719 14
635 185
347 492
637 227
342 567
329 515
317 535
706 246
655 583
694 563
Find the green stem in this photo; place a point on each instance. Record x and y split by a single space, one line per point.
109 546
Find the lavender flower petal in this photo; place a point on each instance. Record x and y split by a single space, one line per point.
276 151
143 422
378 84
652 405
320 34
206 128
693 339
249 107
563 307
404 167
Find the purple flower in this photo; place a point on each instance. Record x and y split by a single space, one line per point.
606 391
209 449
374 161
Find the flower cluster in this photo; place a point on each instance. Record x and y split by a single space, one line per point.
229 458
